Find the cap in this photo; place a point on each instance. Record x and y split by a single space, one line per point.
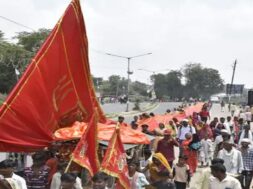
224 131
185 120
246 140
167 132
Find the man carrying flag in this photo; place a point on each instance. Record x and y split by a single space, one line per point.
114 162
85 153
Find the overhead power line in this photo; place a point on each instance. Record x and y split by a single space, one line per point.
17 23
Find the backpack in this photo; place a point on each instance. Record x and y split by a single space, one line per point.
195 144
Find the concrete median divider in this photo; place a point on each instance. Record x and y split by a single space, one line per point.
146 108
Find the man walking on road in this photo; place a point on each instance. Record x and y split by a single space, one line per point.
221 180
232 158
245 133
203 179
166 147
222 104
185 128
247 156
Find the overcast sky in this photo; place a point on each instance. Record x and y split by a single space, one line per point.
211 32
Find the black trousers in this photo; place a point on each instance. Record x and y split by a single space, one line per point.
245 179
204 119
180 185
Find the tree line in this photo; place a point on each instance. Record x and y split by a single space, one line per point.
193 80
14 57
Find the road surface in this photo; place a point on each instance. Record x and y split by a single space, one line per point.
117 108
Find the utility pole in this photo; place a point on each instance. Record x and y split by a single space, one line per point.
128 72
232 80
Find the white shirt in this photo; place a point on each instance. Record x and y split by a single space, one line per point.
183 130
248 116
243 116
243 134
138 180
20 180
232 107
56 182
227 126
232 160
228 183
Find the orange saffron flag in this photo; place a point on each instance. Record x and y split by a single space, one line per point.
55 91
114 162
85 153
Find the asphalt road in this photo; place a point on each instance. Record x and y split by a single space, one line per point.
117 108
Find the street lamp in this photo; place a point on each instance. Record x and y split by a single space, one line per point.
128 71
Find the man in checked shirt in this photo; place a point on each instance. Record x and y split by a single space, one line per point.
36 176
247 156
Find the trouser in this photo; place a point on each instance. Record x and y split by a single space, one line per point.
204 119
180 185
181 149
245 179
232 113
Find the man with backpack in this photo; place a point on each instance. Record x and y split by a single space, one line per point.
183 129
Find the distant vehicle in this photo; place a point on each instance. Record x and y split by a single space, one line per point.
215 99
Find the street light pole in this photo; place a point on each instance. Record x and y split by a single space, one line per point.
128 82
128 71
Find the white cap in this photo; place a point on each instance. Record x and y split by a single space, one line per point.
246 140
185 120
224 131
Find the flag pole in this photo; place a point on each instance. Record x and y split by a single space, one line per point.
68 166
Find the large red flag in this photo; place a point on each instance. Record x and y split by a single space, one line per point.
114 162
85 153
55 90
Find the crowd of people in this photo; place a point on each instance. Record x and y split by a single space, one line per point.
221 146
201 141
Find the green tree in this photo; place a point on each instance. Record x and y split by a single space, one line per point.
32 41
97 82
160 85
174 85
201 82
139 88
12 57
114 86
17 56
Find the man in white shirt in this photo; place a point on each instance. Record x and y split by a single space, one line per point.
7 170
56 180
221 180
185 128
233 109
232 158
229 125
